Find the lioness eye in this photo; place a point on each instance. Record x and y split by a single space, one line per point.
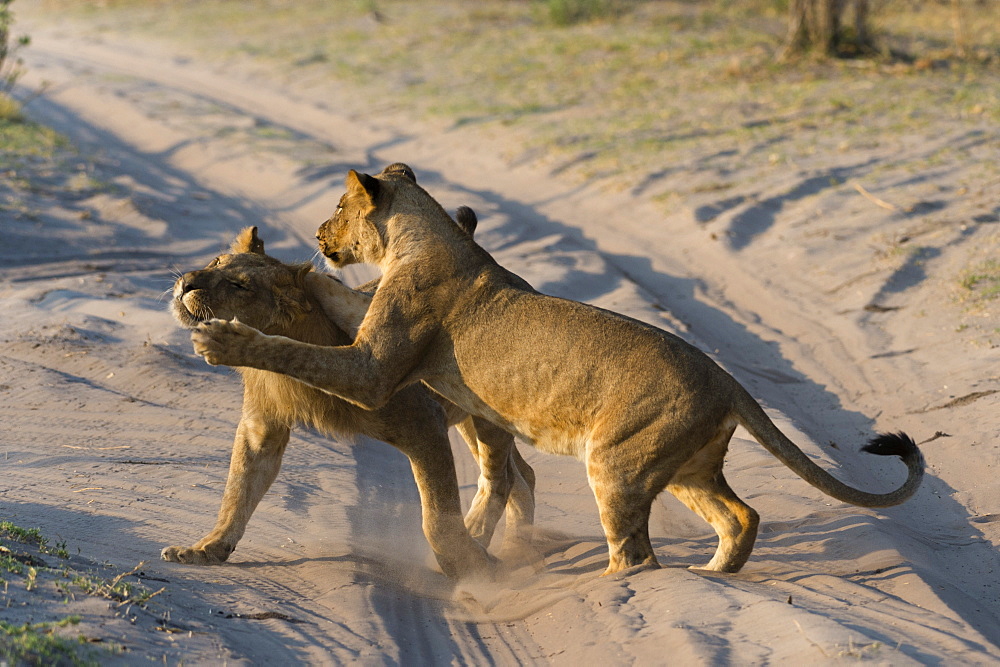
238 285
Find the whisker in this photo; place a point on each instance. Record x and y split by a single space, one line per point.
167 292
170 290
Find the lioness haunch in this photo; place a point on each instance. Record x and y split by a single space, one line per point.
644 410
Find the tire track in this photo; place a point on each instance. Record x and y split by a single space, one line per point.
333 571
381 611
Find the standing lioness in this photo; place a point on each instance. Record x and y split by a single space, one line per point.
270 295
643 409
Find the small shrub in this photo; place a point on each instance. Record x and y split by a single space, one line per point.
10 110
11 66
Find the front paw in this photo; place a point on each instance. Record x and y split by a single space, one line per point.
225 343
195 556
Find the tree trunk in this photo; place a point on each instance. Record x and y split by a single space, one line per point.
817 25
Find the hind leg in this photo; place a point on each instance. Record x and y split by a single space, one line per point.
626 526
502 481
624 495
521 503
457 553
415 424
493 486
701 486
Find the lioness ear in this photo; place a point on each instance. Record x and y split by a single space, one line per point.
466 219
362 184
401 169
247 241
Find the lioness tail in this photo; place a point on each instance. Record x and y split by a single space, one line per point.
753 418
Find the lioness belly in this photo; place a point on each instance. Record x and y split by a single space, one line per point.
568 442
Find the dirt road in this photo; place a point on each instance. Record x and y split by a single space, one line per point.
117 436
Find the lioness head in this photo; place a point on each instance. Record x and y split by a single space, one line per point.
246 284
355 232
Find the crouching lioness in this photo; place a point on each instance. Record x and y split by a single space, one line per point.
270 295
643 409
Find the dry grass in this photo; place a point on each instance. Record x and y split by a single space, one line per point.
615 95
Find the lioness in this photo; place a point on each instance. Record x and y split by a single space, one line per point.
642 408
270 295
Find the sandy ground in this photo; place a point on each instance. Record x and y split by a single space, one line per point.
116 437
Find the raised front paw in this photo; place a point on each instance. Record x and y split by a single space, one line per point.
226 343
195 555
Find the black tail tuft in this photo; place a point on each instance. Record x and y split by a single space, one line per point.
892 444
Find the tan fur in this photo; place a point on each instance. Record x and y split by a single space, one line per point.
641 408
270 295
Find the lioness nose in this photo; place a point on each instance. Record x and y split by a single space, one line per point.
187 282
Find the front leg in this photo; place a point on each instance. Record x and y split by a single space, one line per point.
341 371
344 306
366 373
254 464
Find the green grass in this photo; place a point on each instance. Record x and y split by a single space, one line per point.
981 283
38 644
29 579
569 12
32 536
36 159
20 139
10 564
30 155
10 110
35 643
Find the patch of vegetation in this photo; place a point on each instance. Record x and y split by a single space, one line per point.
20 140
21 551
10 110
981 283
25 148
18 562
33 157
32 536
36 160
569 12
38 644
11 65
115 589
618 88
